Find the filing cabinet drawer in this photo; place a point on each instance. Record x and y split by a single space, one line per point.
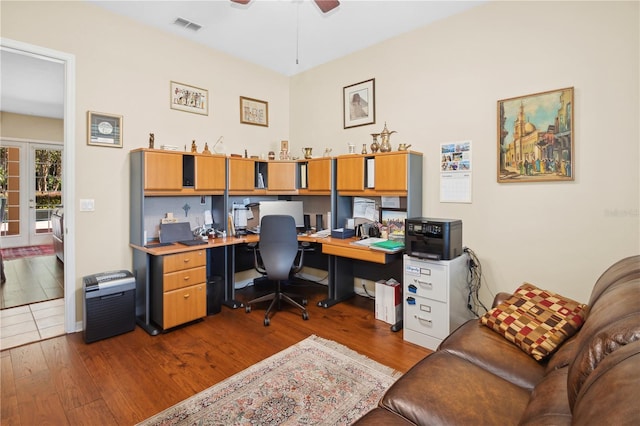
426 316
187 260
426 280
185 278
184 305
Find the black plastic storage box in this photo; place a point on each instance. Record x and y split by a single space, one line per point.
109 304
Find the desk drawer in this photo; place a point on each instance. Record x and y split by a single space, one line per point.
426 279
355 253
426 316
185 278
186 260
184 305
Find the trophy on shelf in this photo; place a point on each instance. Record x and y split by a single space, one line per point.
284 150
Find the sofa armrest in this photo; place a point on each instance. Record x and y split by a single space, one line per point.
500 297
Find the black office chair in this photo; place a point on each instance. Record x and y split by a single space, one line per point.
278 249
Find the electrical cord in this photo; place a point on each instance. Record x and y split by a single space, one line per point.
474 281
369 295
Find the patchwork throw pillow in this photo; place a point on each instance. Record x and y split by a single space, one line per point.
536 320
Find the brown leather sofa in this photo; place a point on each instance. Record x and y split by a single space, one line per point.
477 377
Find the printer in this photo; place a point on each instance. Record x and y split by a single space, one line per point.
437 239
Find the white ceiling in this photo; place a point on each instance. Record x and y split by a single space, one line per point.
286 36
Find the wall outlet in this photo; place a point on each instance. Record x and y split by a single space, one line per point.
362 287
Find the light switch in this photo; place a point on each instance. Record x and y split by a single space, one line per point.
87 204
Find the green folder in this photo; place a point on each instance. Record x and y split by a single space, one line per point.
389 245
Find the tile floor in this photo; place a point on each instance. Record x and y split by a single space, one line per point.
31 323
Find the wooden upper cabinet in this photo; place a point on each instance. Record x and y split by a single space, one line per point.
281 175
319 174
162 171
241 174
391 172
350 173
210 173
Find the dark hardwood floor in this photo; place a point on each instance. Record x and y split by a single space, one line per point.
127 378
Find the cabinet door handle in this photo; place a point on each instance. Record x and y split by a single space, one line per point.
186 296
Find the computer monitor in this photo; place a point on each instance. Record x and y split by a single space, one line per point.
291 208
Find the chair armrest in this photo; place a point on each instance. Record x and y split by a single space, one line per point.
257 264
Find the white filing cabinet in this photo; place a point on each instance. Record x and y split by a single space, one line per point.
435 299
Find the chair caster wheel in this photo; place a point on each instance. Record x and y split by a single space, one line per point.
266 322
247 309
304 302
305 316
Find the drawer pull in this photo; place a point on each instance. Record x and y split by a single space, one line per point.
186 278
187 260
425 284
424 320
411 301
186 296
412 288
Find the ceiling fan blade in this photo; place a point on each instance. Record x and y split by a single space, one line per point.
327 5
241 1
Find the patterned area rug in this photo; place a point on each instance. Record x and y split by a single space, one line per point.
314 382
31 251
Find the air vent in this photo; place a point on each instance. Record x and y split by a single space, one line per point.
186 24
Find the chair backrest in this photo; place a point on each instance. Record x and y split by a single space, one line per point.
278 245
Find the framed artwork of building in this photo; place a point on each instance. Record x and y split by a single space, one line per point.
535 137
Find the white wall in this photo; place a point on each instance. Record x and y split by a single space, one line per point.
125 68
437 84
442 83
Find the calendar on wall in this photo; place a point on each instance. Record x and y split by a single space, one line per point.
455 172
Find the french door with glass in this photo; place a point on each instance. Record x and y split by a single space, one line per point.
31 183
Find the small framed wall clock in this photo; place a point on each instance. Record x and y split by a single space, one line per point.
104 129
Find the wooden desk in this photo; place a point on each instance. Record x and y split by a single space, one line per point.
345 248
345 259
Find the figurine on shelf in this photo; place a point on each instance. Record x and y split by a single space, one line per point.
194 148
151 140
364 148
385 145
206 149
374 145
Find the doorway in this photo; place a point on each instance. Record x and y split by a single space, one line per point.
32 184
68 157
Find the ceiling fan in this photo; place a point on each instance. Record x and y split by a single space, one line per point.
324 5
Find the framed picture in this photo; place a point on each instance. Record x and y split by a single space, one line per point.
254 111
189 98
359 104
104 129
535 137
393 220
